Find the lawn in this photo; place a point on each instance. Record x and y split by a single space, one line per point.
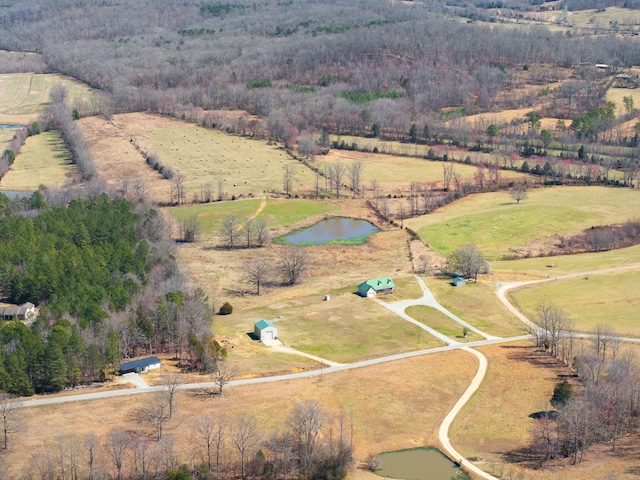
407 288
441 323
24 95
495 223
278 213
345 329
477 304
44 160
589 300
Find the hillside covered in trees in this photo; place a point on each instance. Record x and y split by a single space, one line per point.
106 288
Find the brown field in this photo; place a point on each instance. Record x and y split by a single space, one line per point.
247 167
395 414
496 421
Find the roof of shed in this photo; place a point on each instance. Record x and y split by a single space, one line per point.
262 324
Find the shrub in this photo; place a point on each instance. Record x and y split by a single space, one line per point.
226 309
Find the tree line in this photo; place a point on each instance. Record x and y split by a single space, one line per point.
310 443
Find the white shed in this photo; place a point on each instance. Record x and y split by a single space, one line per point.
265 330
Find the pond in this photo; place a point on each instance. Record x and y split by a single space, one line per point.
418 464
11 127
340 231
12 195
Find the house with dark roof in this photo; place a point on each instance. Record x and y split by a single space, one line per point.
265 330
15 312
376 286
140 365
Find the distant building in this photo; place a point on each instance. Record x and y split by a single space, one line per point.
458 282
141 365
15 312
376 286
265 330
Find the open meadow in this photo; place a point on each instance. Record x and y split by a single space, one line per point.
588 300
497 225
441 323
225 166
44 160
24 95
388 412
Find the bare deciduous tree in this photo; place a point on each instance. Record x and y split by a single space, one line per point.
294 262
257 270
10 418
338 171
468 261
354 173
154 413
245 436
306 422
117 444
518 192
288 178
170 385
224 374
229 229
261 232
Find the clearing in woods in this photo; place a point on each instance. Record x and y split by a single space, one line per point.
44 160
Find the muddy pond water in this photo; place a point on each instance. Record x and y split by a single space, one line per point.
336 230
418 464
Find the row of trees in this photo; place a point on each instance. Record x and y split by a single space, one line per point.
292 265
311 444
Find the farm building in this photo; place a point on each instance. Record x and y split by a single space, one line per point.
376 286
141 365
265 330
458 282
22 312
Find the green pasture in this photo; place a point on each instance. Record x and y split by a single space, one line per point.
494 222
44 160
543 267
345 329
24 95
588 18
440 322
611 299
205 157
407 288
477 304
277 212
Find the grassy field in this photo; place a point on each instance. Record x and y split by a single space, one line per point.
588 301
278 213
441 323
44 160
616 95
495 223
544 267
406 288
387 415
24 95
477 304
347 328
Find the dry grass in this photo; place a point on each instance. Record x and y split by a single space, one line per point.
44 160
24 95
395 414
204 156
616 95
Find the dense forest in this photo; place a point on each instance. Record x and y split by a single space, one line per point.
106 288
300 65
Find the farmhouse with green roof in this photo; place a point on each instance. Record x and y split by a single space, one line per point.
265 330
376 286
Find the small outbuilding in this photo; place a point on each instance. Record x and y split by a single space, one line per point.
376 286
265 330
141 365
458 282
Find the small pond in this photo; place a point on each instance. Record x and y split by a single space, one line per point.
342 231
10 127
418 464
13 195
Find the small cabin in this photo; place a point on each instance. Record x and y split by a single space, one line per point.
265 330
